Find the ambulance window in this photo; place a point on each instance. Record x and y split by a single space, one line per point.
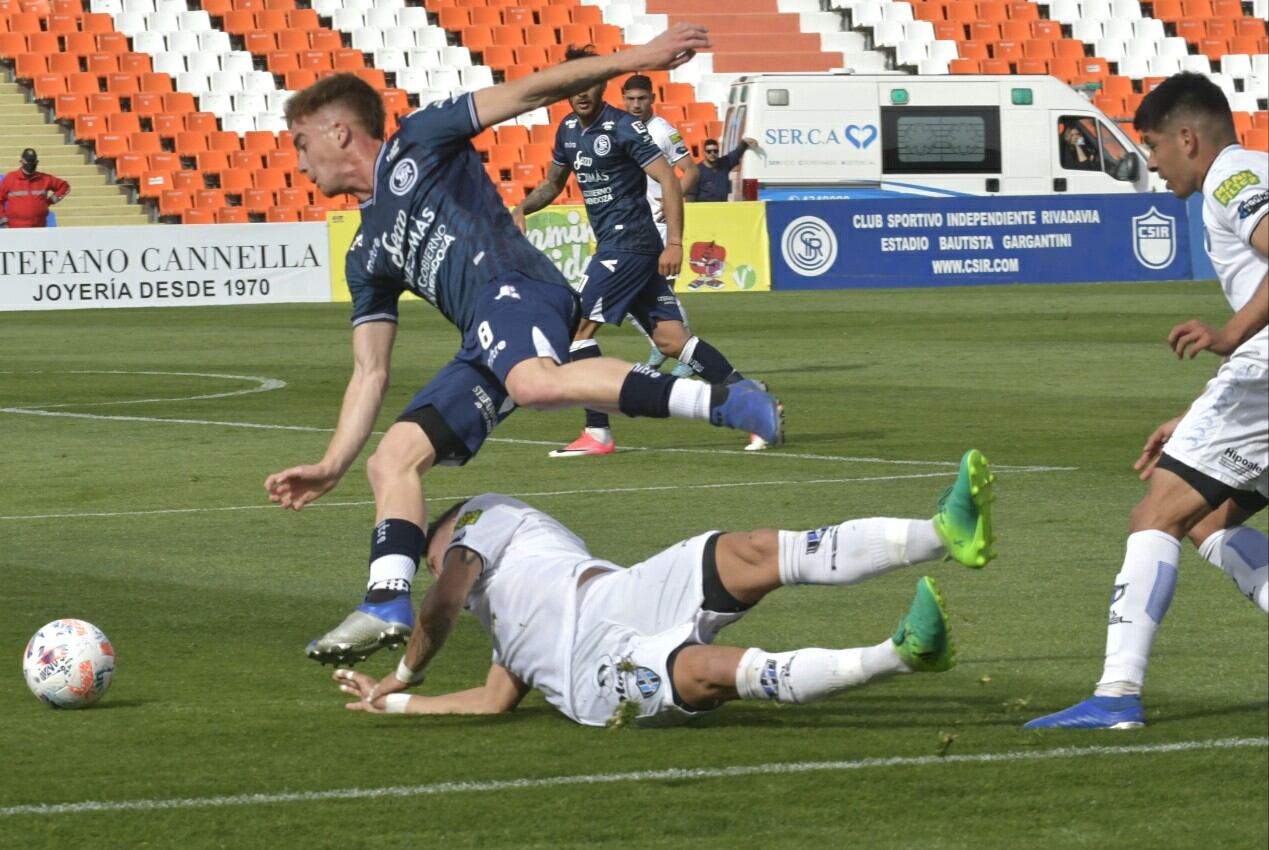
777 97
921 140
1078 146
1113 154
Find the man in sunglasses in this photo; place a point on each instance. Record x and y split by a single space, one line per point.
714 182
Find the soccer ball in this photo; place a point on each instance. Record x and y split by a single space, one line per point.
69 664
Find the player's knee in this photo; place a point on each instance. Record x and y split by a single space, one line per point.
397 456
534 387
669 338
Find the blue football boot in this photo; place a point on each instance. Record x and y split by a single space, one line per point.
370 627
1095 713
749 407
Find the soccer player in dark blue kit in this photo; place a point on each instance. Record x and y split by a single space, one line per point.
433 224
613 156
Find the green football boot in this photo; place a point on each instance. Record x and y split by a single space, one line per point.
923 639
963 521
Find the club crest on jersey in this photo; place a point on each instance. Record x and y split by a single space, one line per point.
403 177
603 145
1154 239
468 518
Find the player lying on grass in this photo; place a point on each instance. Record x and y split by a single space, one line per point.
1207 468
433 224
604 643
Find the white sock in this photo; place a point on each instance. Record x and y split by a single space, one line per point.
805 675
391 572
1143 592
689 399
689 349
855 551
1242 553
603 435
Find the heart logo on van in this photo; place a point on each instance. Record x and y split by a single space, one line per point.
861 137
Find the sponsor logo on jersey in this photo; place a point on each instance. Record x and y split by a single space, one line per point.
1249 207
608 125
1239 465
582 161
603 145
507 291
467 518
393 151
403 177
809 246
1154 238
639 127
1233 184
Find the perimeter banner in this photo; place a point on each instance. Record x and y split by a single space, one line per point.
981 240
163 266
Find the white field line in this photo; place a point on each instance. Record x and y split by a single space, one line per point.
263 385
779 453
669 774
656 488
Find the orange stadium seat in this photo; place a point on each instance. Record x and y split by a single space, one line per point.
250 160
48 86
324 40
312 212
198 217
286 160
124 122
154 183
257 200
188 180
1256 139
96 63
224 140
130 166
210 162
231 215
167 124
67 106
282 214
1015 30
174 202
88 126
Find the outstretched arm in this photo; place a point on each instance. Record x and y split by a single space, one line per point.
372 359
501 692
545 192
670 49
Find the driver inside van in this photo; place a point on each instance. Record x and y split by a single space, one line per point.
1077 151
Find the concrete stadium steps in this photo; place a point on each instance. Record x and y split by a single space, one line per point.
752 36
93 199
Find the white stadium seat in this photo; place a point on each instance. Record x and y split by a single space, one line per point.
412 17
258 81
431 37
249 103
213 101
162 22
423 57
367 39
944 50
197 21
1196 64
389 59
168 63
152 43
203 63
239 61
1089 32
476 77
454 57
193 83
347 20
919 31
130 23
901 12
911 52
932 67
887 33
1236 65
398 38
145 7
216 41
238 122
228 81
381 18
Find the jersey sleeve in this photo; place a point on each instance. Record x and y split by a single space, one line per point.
486 527
370 303
730 161
636 141
674 148
1241 200
442 122
558 156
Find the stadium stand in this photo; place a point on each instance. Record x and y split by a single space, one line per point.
181 103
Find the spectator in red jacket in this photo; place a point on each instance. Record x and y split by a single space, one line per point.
26 194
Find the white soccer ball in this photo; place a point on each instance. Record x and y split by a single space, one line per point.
69 664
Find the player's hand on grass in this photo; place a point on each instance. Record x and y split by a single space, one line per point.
1154 447
295 487
671 260
362 687
671 48
1194 336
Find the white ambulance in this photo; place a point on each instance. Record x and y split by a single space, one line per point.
842 135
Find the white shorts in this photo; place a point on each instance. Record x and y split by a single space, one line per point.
629 623
1225 433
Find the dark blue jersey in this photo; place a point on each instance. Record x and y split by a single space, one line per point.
435 225
608 158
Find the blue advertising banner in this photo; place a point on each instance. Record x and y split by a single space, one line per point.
856 244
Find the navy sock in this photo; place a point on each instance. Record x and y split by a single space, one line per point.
708 362
585 350
646 392
395 537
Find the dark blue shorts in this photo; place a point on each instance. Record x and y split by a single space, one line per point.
516 319
618 283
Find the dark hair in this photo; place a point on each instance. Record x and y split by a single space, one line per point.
639 82
709 142
574 51
1185 93
347 90
435 525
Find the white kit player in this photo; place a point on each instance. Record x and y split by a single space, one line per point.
1207 468
611 645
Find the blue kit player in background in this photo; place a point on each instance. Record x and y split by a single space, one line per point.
433 224
613 156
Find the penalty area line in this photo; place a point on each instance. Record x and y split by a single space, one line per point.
669 774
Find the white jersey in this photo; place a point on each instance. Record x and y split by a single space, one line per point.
674 148
1235 200
525 595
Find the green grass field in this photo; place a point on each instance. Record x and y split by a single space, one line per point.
140 506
